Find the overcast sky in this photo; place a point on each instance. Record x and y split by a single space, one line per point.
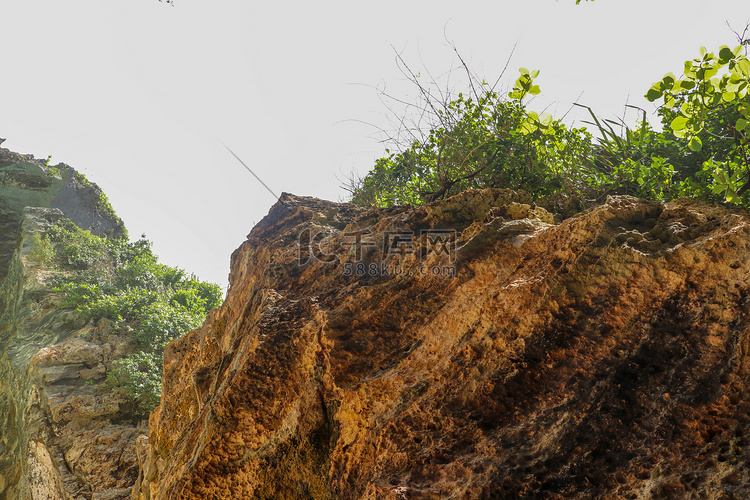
140 95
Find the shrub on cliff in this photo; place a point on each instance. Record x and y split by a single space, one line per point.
42 250
709 103
480 140
123 284
492 140
476 142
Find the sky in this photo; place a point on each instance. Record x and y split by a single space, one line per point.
144 97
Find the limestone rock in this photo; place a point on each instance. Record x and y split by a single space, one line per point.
73 359
467 349
62 431
28 182
45 480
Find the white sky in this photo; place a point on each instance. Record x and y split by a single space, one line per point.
140 95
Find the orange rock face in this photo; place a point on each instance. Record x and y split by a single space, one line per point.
469 349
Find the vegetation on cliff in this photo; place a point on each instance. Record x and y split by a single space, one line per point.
121 284
486 139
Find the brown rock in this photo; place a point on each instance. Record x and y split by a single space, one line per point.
45 480
90 457
501 356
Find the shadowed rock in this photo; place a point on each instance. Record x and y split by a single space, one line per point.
487 353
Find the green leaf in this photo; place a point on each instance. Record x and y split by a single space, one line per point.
653 94
720 177
687 84
710 72
524 71
732 86
725 54
679 123
741 124
736 79
527 127
728 96
668 81
689 71
695 144
680 133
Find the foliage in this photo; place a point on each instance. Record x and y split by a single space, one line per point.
487 140
492 141
632 161
713 91
80 249
42 250
482 141
102 202
139 375
123 284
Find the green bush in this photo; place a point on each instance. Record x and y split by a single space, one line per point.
708 109
139 377
124 305
485 141
80 249
161 322
42 250
78 294
123 282
489 140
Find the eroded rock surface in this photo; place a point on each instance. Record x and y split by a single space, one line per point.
29 182
602 357
63 433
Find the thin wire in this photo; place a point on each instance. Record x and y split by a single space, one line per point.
249 170
259 180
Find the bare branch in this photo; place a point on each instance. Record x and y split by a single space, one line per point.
741 39
505 68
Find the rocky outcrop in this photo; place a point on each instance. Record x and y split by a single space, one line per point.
472 348
62 432
29 182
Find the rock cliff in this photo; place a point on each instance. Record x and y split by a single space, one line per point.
29 182
62 435
474 348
